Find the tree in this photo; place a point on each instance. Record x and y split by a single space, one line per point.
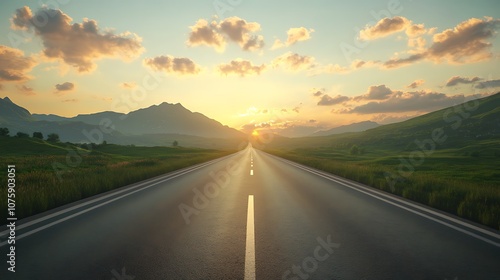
37 135
22 135
53 137
355 150
4 131
175 143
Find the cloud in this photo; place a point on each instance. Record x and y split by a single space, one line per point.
77 44
416 84
455 80
22 19
26 90
327 100
420 101
217 34
14 66
294 62
296 109
398 62
317 92
357 63
170 64
384 27
338 69
130 85
488 84
277 44
379 92
415 30
67 86
418 43
465 43
296 34
205 33
69 100
240 31
240 67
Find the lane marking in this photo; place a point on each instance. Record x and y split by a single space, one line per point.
133 188
250 245
360 188
251 172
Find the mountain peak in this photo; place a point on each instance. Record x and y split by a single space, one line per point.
11 112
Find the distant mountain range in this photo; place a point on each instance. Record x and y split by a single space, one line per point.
460 125
150 126
354 127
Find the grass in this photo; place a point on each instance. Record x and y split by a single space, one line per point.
84 171
459 175
464 182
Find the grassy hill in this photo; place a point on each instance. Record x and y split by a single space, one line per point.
448 159
49 175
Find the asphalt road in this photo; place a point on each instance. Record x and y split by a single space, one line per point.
250 216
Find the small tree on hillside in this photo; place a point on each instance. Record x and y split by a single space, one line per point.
355 150
4 131
53 137
22 135
175 143
37 135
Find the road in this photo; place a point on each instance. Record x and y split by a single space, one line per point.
250 216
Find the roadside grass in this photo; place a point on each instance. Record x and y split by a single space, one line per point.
102 168
451 180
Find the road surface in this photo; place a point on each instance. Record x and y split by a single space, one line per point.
250 216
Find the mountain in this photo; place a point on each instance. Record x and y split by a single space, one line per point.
12 113
354 127
476 121
297 130
165 118
156 125
174 118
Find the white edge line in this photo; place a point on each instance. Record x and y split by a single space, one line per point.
250 242
91 208
155 181
372 194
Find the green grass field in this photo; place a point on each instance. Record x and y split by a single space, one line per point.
448 159
464 182
49 175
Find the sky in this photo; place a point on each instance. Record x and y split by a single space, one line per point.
292 66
